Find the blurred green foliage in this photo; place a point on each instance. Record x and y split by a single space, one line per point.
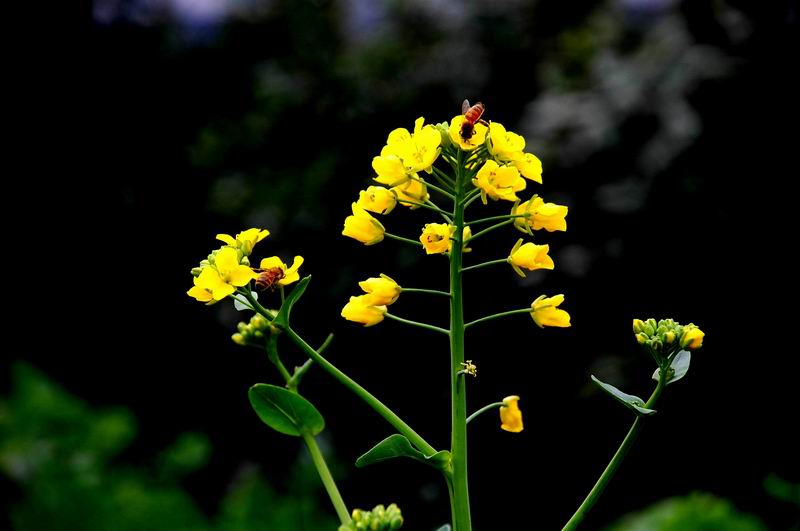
63 455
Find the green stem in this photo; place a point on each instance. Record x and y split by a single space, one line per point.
424 205
459 493
495 218
255 305
616 461
434 187
485 264
401 239
484 409
472 198
363 394
496 226
497 316
443 177
417 324
327 479
272 354
429 291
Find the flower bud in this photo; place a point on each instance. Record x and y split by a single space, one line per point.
692 338
669 337
641 338
638 326
239 339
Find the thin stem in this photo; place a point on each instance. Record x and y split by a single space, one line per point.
255 305
418 324
401 239
485 264
444 177
484 409
496 226
423 205
495 218
472 197
616 461
272 354
434 187
497 316
447 215
429 291
327 479
363 394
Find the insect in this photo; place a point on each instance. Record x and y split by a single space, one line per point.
268 278
472 115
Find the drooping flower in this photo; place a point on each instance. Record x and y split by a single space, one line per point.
362 310
412 191
245 240
417 151
389 168
545 312
222 278
498 182
510 415
278 273
435 237
468 144
383 289
540 215
504 146
363 227
692 337
530 256
377 199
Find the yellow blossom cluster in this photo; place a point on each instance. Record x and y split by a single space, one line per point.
369 309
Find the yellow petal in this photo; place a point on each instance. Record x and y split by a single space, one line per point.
292 274
227 238
272 262
241 275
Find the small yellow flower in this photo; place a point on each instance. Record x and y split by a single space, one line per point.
545 312
471 143
692 337
466 236
363 227
245 240
529 166
541 215
418 151
290 274
377 199
498 182
504 146
362 310
414 190
510 415
435 237
383 289
221 279
389 168
530 256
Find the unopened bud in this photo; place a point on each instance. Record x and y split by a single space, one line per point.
239 339
638 326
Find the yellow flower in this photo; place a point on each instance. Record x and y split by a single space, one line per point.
383 289
363 227
545 312
504 145
435 237
529 166
245 240
362 310
530 256
510 415
471 143
287 274
377 199
389 168
418 151
221 279
498 182
541 215
414 190
692 337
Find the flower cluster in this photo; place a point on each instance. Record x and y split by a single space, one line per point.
665 337
369 309
380 518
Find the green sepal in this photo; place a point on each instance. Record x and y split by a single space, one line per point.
634 403
678 368
285 411
282 319
398 446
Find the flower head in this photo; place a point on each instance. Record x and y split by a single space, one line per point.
221 279
363 227
377 199
417 151
362 309
540 215
692 338
285 274
530 256
504 145
245 240
389 168
383 289
476 140
498 182
545 312
435 237
510 415
412 191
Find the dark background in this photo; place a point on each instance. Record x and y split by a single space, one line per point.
661 124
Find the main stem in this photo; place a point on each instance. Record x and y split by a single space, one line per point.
459 493
616 461
327 479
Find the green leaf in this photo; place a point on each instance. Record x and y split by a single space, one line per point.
398 446
282 319
240 302
678 368
285 411
634 403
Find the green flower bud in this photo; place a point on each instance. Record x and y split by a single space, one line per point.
239 339
242 327
196 271
638 326
444 131
669 337
641 338
258 322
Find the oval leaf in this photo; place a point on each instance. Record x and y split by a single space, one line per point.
285 411
282 319
241 303
634 403
678 368
398 446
